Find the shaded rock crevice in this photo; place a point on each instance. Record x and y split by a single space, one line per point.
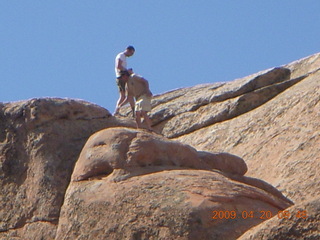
233 99
164 107
264 79
203 95
222 111
25 222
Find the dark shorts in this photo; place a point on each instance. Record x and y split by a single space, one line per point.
121 85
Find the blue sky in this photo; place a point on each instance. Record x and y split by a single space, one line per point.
67 48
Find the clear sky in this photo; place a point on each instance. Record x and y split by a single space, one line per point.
64 48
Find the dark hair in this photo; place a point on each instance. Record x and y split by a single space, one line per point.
125 72
131 48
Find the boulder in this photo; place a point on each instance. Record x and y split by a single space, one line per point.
225 162
141 185
40 141
168 204
129 149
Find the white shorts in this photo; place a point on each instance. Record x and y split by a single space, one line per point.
143 103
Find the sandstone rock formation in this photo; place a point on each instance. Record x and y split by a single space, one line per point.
130 184
271 119
172 204
280 139
130 150
178 200
40 141
298 222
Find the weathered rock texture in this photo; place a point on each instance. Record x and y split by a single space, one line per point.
172 204
40 141
271 119
176 201
144 186
129 184
131 150
280 139
298 222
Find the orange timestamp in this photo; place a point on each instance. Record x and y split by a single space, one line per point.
285 214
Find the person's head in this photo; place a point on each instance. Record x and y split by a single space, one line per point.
129 51
130 71
124 75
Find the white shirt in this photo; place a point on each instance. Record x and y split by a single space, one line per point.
123 58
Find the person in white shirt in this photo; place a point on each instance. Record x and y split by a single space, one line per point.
121 65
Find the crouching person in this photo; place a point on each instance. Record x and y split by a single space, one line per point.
137 87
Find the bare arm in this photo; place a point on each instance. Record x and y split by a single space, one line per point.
119 65
129 98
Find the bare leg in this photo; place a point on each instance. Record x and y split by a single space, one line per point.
138 119
120 100
131 101
147 119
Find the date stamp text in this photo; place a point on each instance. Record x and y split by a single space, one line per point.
285 214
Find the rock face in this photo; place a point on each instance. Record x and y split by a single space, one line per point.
129 150
241 149
301 221
178 200
271 119
280 139
205 105
164 205
40 143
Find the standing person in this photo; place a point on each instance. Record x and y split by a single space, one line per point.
121 65
138 87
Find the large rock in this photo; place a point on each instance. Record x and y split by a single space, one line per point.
40 140
171 204
186 110
279 140
274 124
270 119
121 199
219 111
129 150
204 105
